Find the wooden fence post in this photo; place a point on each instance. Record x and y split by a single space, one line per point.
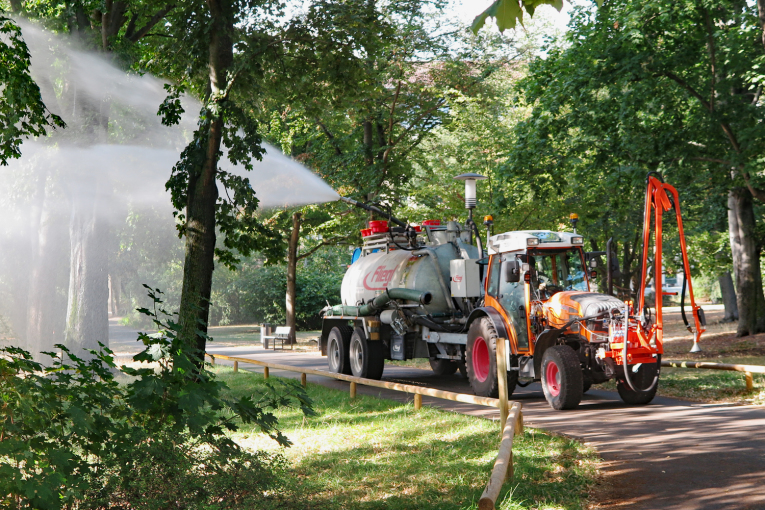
236 366
502 379
353 389
417 401
265 372
749 381
303 379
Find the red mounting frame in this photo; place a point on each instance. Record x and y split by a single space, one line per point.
657 198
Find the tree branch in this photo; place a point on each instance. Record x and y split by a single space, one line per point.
330 136
684 84
711 50
724 125
325 242
392 111
757 193
425 115
158 16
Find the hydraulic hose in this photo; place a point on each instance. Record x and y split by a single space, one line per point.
682 304
627 376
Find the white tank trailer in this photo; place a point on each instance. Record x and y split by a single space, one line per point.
409 294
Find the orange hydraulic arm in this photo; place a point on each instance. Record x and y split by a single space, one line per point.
661 197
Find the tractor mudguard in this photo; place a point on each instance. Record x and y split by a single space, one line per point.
493 315
545 340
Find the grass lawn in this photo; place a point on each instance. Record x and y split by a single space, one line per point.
371 453
715 385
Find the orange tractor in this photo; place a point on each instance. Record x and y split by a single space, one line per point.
532 289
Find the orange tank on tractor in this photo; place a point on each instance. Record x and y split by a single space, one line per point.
436 292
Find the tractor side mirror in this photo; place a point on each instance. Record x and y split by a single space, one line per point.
593 258
512 270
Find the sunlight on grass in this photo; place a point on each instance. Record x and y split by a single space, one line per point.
373 453
711 386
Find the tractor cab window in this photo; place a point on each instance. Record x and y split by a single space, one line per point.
556 271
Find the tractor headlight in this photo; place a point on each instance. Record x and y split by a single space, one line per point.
532 241
577 240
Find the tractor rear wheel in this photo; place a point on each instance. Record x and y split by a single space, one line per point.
643 380
481 360
443 366
366 356
338 341
562 377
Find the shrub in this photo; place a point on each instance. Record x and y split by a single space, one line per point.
71 436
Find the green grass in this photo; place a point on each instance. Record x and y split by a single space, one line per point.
710 386
371 453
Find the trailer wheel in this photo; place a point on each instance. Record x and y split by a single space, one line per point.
481 360
642 379
366 356
443 366
562 377
338 341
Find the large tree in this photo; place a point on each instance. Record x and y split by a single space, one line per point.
667 86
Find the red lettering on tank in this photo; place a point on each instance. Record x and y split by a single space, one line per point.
381 277
457 278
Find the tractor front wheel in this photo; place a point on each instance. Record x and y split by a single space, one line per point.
562 377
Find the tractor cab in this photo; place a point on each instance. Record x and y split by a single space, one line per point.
527 269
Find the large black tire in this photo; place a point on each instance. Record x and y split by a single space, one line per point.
338 341
367 357
481 360
443 366
562 377
641 380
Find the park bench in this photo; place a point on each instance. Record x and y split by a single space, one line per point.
281 334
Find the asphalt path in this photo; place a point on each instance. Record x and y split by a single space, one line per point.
669 455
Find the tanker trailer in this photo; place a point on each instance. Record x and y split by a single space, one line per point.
407 296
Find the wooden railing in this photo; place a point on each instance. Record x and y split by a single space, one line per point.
418 391
511 416
503 466
748 370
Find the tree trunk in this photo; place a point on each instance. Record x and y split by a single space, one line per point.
116 282
761 14
292 259
43 329
202 191
746 263
87 313
728 296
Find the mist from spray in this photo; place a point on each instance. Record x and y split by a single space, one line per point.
62 200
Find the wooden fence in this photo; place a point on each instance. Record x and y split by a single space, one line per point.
511 416
747 369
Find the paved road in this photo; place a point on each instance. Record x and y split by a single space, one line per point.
670 455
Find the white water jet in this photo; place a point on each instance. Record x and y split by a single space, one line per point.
101 175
